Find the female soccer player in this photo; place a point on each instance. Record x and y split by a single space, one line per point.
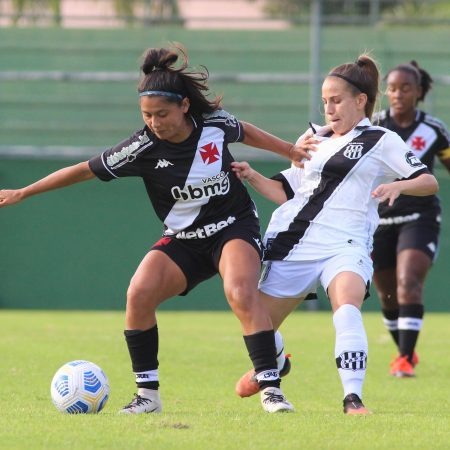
210 222
322 232
406 241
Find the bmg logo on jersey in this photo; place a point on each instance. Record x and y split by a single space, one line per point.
354 150
212 186
352 360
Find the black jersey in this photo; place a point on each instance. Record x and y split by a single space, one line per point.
190 184
427 138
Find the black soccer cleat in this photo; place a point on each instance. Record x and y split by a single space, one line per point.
353 405
286 366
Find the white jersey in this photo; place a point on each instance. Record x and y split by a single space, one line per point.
331 206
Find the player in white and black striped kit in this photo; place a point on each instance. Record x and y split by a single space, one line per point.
322 232
210 222
407 240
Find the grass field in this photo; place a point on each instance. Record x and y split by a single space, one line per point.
201 355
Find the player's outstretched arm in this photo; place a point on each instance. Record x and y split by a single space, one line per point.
423 185
60 178
258 138
271 189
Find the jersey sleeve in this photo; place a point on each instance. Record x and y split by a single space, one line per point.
290 179
230 125
122 159
398 159
444 153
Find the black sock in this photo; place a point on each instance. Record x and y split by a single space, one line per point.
262 352
392 315
410 328
143 349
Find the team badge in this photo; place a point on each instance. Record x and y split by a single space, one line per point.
209 153
418 143
352 360
412 159
353 150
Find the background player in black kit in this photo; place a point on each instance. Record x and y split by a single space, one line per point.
210 221
406 242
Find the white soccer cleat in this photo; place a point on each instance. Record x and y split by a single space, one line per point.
273 400
151 403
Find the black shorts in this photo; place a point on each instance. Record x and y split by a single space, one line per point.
421 234
199 258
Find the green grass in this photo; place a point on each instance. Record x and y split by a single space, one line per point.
201 356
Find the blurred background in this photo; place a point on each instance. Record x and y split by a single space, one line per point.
68 79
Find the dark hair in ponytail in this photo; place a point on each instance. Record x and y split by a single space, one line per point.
160 73
362 76
421 76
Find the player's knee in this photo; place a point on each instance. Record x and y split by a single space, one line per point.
139 296
242 296
408 286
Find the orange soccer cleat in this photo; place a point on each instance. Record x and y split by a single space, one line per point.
247 384
402 368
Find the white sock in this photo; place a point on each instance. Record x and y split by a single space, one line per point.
351 348
390 325
149 375
279 346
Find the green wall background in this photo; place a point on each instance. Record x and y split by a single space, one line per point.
77 248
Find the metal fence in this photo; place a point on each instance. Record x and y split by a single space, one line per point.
67 91
218 13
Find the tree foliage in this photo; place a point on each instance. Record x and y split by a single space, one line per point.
298 8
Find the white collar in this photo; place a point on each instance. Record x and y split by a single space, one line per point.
323 130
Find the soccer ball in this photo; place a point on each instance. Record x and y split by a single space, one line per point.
79 387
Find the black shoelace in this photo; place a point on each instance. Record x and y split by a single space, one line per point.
137 401
271 397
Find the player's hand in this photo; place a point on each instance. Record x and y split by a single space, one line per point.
301 151
242 170
390 192
10 197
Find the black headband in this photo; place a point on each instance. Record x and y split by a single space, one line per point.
353 83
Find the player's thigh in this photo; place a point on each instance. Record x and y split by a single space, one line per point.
347 288
412 266
157 278
239 267
279 308
346 277
384 254
385 281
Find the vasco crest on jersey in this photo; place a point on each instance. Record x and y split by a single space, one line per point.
413 160
209 153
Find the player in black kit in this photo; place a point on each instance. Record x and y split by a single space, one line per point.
406 241
210 222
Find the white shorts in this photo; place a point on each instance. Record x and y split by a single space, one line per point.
297 279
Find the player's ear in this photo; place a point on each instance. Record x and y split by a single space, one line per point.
361 100
185 104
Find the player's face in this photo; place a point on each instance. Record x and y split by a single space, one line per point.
166 119
403 92
343 110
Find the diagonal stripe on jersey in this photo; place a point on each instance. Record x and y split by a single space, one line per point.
335 171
